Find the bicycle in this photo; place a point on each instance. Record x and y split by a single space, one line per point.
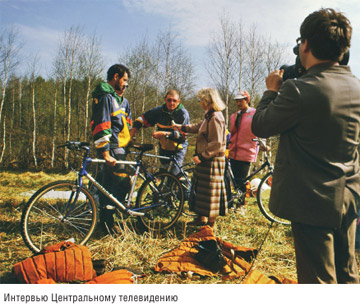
64 210
185 174
235 193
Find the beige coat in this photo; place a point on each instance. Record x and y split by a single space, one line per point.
211 136
208 197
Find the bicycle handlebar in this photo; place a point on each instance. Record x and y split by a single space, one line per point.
263 145
117 161
71 145
260 142
75 145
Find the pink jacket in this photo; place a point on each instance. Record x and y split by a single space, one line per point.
242 147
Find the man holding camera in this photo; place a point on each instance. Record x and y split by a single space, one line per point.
316 181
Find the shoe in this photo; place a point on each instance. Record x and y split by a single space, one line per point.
115 229
198 221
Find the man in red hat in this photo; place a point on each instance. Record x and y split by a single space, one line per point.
242 149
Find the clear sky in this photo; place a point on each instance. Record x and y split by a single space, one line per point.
122 23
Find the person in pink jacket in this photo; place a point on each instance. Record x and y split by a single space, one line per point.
242 149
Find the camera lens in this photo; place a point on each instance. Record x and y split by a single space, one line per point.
296 50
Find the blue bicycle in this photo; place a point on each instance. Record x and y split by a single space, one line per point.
65 210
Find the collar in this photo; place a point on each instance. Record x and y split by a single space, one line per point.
247 111
165 109
328 67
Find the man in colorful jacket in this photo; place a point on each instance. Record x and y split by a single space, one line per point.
110 124
162 116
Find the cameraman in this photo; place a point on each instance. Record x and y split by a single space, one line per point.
316 180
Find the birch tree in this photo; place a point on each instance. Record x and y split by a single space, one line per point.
92 65
173 64
67 66
255 69
274 56
140 60
222 59
240 54
9 49
32 79
53 141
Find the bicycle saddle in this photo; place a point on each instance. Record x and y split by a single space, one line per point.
144 147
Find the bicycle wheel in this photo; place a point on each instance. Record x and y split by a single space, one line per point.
57 213
185 178
263 197
161 199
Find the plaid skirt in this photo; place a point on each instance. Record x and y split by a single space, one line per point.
208 197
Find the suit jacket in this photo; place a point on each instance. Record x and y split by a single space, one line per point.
318 119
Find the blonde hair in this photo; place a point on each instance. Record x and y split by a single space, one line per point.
212 98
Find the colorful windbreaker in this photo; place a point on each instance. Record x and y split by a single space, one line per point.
111 118
162 118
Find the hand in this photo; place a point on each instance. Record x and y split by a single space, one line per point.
274 80
132 133
159 134
264 148
111 161
130 144
175 126
196 159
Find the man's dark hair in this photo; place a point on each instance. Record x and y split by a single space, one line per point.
328 34
117 69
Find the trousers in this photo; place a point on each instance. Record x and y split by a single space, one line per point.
115 180
327 255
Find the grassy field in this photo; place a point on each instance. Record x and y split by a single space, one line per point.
140 251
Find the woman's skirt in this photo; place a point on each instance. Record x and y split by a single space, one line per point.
208 197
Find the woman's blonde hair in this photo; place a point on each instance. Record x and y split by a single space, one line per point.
212 99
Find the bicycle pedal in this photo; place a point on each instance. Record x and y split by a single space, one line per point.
110 207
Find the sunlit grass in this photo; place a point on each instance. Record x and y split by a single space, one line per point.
139 251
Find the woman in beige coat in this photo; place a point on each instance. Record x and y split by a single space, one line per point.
208 197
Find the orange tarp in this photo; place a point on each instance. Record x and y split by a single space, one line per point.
238 260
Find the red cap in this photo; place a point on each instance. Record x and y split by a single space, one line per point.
242 95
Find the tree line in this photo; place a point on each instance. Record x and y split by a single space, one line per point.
39 113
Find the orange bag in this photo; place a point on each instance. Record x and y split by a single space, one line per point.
114 277
62 262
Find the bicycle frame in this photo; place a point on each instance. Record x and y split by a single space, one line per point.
173 162
68 209
82 172
254 173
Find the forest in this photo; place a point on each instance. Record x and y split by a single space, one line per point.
38 113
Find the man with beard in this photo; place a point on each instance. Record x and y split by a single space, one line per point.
110 124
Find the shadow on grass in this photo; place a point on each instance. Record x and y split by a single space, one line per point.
12 250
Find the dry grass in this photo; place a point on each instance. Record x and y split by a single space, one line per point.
140 251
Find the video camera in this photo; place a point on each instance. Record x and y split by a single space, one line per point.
297 70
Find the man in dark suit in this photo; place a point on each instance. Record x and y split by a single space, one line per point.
316 181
